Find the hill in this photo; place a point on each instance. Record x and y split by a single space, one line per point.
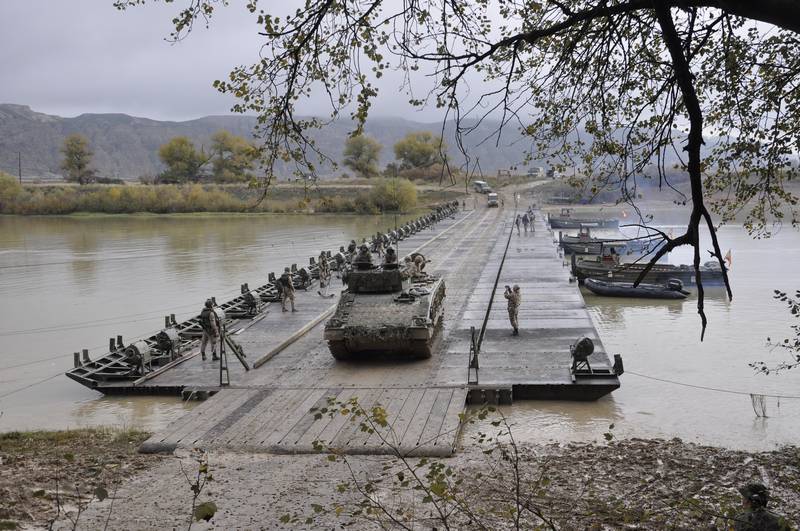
126 146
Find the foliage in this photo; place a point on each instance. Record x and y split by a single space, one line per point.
790 346
182 160
613 89
204 511
232 157
392 195
415 490
9 189
419 150
77 158
361 154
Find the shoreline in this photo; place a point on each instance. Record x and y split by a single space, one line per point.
641 483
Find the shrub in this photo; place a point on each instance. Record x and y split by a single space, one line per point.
9 189
389 195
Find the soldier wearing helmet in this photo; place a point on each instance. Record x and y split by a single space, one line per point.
755 516
209 322
514 298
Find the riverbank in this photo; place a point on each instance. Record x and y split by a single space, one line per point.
45 473
357 197
634 483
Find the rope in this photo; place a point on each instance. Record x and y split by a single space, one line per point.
18 389
494 288
706 388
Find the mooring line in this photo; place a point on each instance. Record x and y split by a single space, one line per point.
706 388
494 289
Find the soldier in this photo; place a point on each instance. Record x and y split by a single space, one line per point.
209 321
420 262
287 289
516 222
514 298
525 222
755 516
351 247
390 259
324 275
363 260
409 268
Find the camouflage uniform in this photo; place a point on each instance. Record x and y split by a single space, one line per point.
759 519
756 517
210 324
363 260
324 271
391 257
514 298
287 291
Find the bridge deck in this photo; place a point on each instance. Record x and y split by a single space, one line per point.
268 409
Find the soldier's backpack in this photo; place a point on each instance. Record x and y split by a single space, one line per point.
205 320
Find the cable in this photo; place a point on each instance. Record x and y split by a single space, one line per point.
17 390
77 259
706 388
97 322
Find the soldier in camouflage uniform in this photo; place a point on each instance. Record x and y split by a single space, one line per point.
210 325
514 298
324 274
756 517
287 289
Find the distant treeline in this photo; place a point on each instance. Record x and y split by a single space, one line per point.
385 195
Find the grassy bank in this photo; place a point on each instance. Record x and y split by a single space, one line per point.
381 196
43 471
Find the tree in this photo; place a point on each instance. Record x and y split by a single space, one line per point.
9 189
419 150
393 195
615 89
77 158
361 154
182 160
232 157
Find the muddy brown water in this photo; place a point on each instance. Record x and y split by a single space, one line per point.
70 283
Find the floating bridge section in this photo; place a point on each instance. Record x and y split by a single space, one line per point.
271 407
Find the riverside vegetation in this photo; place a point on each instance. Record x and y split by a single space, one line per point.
383 195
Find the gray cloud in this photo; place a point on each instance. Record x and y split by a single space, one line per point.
69 58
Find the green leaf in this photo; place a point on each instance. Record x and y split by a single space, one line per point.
100 493
205 511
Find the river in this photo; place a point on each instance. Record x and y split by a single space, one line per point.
72 282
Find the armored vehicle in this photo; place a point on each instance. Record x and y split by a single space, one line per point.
384 310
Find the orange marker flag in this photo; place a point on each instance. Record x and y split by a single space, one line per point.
728 258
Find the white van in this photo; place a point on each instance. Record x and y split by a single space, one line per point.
492 200
482 187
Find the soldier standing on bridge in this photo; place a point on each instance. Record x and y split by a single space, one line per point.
287 289
324 275
525 222
516 222
514 298
209 321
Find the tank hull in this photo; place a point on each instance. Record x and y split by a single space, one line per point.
380 324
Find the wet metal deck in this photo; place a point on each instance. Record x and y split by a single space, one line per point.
535 364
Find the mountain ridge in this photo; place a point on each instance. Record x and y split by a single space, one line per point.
126 146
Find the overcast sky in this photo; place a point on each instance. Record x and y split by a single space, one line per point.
68 57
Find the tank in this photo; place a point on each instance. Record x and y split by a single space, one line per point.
382 311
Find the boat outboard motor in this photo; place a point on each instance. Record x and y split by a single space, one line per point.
168 341
674 284
580 351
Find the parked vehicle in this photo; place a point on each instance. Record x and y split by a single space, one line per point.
492 200
482 187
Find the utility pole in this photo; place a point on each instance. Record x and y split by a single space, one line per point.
19 161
